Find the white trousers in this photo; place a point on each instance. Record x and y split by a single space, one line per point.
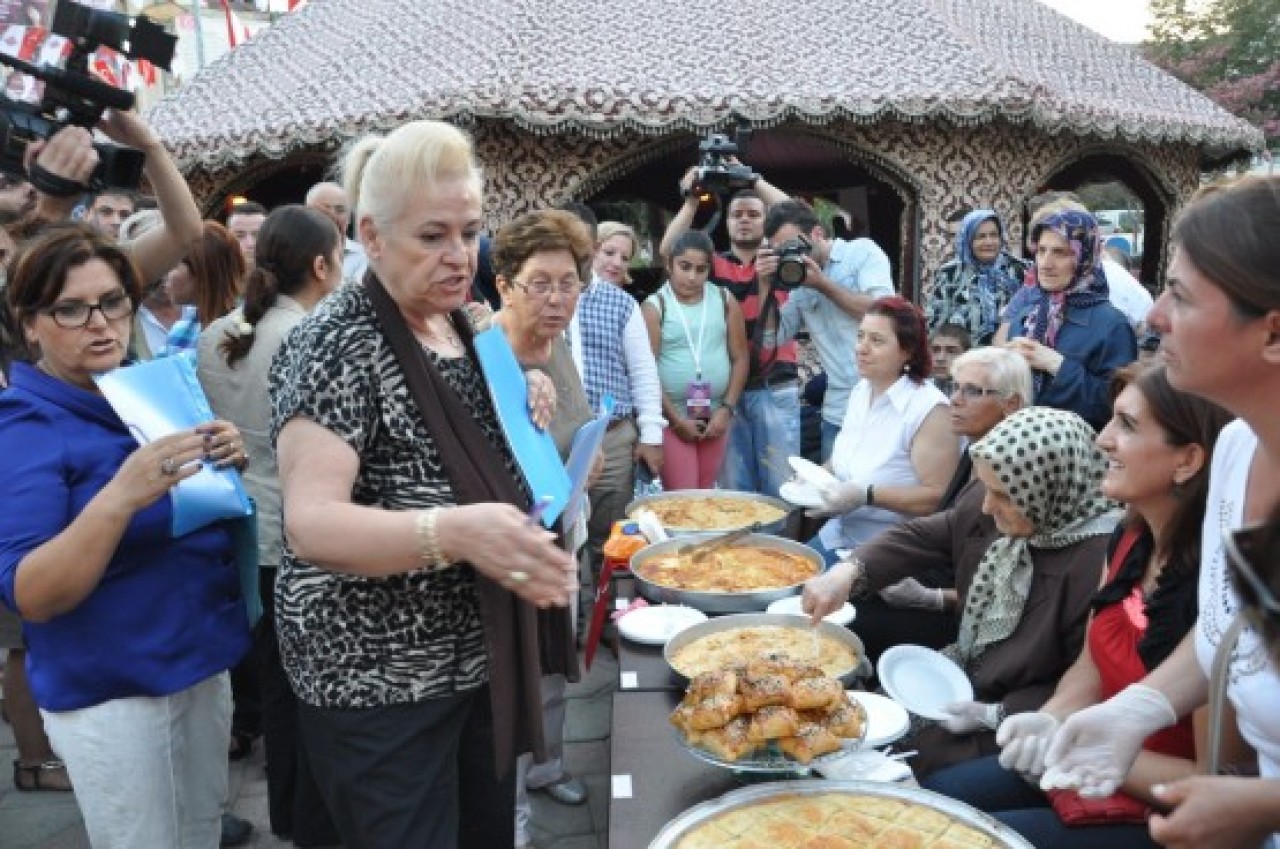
149 771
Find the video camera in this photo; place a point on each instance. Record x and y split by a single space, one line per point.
791 268
714 172
72 96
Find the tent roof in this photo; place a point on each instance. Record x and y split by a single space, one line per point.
339 68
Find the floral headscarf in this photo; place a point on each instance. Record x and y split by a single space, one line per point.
970 293
1047 461
1088 284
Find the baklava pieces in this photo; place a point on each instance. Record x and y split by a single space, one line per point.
767 703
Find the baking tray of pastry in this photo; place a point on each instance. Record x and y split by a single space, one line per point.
716 601
728 496
786 814
823 631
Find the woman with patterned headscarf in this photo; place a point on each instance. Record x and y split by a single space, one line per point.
1025 572
973 289
1064 324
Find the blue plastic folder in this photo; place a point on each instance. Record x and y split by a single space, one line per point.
161 397
534 450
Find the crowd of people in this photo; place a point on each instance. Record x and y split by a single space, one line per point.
1092 538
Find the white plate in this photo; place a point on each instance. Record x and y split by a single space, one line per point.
656 624
792 605
800 494
922 680
810 472
887 721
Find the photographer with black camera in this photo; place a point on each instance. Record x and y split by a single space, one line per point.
766 425
832 283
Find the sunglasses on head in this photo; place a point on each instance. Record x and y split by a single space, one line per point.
1245 549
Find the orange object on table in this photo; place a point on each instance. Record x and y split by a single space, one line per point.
624 540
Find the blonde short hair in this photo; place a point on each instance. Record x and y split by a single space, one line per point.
381 173
608 229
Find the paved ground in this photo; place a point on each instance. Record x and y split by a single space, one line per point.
51 820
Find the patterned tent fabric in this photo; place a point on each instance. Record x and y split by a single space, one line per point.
339 68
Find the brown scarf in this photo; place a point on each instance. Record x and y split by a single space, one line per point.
522 642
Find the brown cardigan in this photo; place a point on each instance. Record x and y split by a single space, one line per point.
1022 671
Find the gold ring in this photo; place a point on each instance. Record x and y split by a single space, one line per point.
168 468
519 577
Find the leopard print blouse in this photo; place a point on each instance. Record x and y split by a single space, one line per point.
355 642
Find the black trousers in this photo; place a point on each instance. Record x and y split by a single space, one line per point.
294 804
416 775
881 627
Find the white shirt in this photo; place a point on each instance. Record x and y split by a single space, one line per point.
1126 293
1253 684
642 371
354 261
157 334
874 447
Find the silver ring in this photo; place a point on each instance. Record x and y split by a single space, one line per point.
519 577
168 467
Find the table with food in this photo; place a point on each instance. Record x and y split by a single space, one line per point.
737 722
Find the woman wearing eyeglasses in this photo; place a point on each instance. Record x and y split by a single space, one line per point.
1219 318
129 630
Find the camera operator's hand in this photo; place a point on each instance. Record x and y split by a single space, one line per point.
766 264
69 155
686 186
813 276
128 128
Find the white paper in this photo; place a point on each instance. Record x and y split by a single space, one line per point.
628 680
622 786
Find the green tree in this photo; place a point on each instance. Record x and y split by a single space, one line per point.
1228 49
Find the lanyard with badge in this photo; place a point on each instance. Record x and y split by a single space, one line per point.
697 394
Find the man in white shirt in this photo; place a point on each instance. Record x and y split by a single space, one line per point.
331 199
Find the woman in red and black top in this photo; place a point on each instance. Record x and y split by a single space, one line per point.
1158 445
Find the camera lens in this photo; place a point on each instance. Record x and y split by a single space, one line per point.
791 271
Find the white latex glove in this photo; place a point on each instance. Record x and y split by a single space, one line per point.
1095 748
838 498
911 593
1023 740
968 717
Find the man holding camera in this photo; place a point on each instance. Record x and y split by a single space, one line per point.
766 423
834 281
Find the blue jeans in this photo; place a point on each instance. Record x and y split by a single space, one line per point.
763 435
828 556
829 432
990 787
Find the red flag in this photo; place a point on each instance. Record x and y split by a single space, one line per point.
147 70
104 67
237 32
296 4
31 43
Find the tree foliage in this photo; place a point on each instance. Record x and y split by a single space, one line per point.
1228 49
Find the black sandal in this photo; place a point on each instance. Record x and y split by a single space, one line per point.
50 775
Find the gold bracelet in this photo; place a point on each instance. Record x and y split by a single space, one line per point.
429 541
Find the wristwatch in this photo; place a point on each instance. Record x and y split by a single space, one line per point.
871 495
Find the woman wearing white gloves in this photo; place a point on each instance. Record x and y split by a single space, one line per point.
1219 318
1158 445
895 451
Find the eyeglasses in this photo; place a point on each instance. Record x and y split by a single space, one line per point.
544 288
72 314
970 392
1243 552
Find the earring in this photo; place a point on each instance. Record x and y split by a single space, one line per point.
906 367
1178 489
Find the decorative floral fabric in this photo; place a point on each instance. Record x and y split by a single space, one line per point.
1048 463
973 294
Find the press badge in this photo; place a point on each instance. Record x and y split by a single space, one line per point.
697 400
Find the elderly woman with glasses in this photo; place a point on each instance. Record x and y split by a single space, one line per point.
129 629
1219 320
539 260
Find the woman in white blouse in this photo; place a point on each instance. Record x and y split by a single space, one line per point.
895 451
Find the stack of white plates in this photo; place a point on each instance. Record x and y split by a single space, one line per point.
655 624
792 606
804 491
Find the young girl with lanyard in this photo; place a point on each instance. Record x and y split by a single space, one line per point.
700 341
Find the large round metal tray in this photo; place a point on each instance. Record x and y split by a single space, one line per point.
776 527
781 620
770 759
681 826
718 602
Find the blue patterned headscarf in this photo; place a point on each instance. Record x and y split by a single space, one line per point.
1088 284
993 282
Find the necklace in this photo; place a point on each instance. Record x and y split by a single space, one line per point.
446 340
